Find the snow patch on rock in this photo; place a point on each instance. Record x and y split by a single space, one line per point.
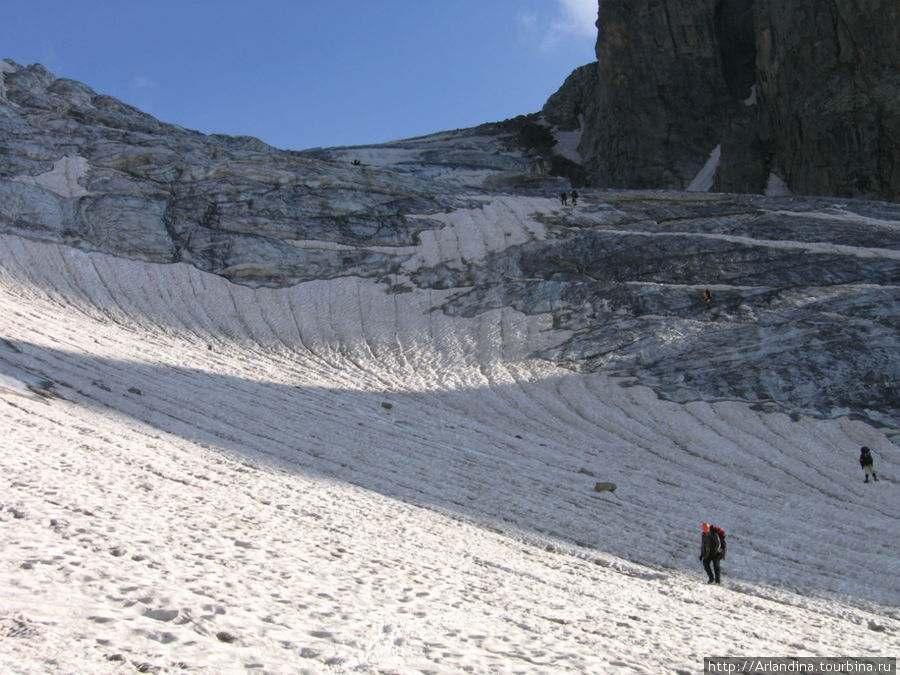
65 179
776 187
703 181
567 142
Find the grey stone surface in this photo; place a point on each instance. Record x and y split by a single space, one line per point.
805 308
807 90
804 312
161 193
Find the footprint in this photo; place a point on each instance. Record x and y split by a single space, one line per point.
164 637
161 614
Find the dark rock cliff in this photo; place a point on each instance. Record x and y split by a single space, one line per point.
806 91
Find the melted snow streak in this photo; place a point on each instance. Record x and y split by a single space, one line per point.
336 478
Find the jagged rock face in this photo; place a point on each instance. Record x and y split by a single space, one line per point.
808 91
804 310
829 91
653 106
88 170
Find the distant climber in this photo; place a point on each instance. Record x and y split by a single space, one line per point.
574 198
712 550
867 462
707 297
563 198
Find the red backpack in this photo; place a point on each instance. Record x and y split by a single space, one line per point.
723 545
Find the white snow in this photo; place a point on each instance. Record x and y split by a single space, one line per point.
703 181
752 98
332 479
776 187
567 142
469 235
20 382
64 179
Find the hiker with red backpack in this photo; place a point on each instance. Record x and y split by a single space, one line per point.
712 550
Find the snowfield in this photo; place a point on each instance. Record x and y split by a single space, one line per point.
335 478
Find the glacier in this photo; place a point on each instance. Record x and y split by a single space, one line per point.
345 410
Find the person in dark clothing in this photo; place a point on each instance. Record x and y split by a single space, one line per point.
563 198
867 462
574 198
711 551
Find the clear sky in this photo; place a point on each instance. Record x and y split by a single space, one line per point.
306 73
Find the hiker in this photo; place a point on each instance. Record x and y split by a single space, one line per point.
712 550
574 198
707 297
563 197
867 462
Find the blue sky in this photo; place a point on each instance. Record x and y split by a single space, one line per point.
305 73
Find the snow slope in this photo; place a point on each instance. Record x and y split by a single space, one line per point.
334 478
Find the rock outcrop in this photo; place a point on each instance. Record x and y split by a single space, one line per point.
803 314
88 170
806 93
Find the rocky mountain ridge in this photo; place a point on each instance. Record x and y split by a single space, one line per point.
803 311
